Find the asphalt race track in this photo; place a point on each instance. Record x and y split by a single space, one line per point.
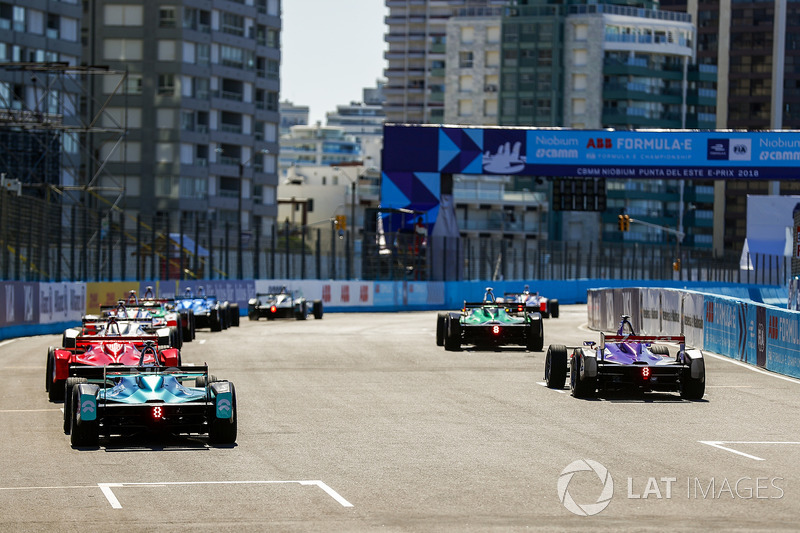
359 422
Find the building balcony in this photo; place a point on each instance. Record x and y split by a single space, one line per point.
642 92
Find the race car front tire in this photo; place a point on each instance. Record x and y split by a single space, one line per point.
317 309
56 391
555 366
659 349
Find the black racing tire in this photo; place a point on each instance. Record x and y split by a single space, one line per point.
215 320
441 324
48 373
56 391
68 386
693 389
555 366
186 326
224 316
316 309
176 336
235 317
193 322
82 432
200 381
660 349
552 307
452 336
302 314
534 341
581 388
223 430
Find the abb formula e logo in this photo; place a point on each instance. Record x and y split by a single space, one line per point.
599 142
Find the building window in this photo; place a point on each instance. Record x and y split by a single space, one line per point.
465 59
464 108
19 18
230 56
166 50
467 34
122 49
203 54
167 17
233 24
53 26
166 84
123 15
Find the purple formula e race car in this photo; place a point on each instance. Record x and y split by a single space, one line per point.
627 362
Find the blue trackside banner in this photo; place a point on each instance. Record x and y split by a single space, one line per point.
782 341
656 154
729 327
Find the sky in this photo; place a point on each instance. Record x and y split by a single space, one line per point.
330 51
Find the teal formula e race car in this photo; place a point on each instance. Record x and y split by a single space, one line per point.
490 324
113 401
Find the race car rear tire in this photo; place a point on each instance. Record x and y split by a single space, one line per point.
68 386
82 432
555 366
535 334
175 337
48 373
186 326
223 430
693 388
56 391
302 313
441 323
581 388
317 309
659 349
552 307
224 316
235 315
215 320
452 336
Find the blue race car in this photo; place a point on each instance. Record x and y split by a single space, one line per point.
627 361
127 400
208 311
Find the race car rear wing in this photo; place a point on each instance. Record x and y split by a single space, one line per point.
100 374
676 339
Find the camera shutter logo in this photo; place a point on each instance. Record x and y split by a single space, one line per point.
586 509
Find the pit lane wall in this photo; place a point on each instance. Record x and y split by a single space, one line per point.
752 332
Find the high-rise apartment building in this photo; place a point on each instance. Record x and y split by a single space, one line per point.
417 58
756 47
200 104
39 92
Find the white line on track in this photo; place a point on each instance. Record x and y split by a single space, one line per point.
106 488
543 384
719 444
9 341
202 341
115 504
29 410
